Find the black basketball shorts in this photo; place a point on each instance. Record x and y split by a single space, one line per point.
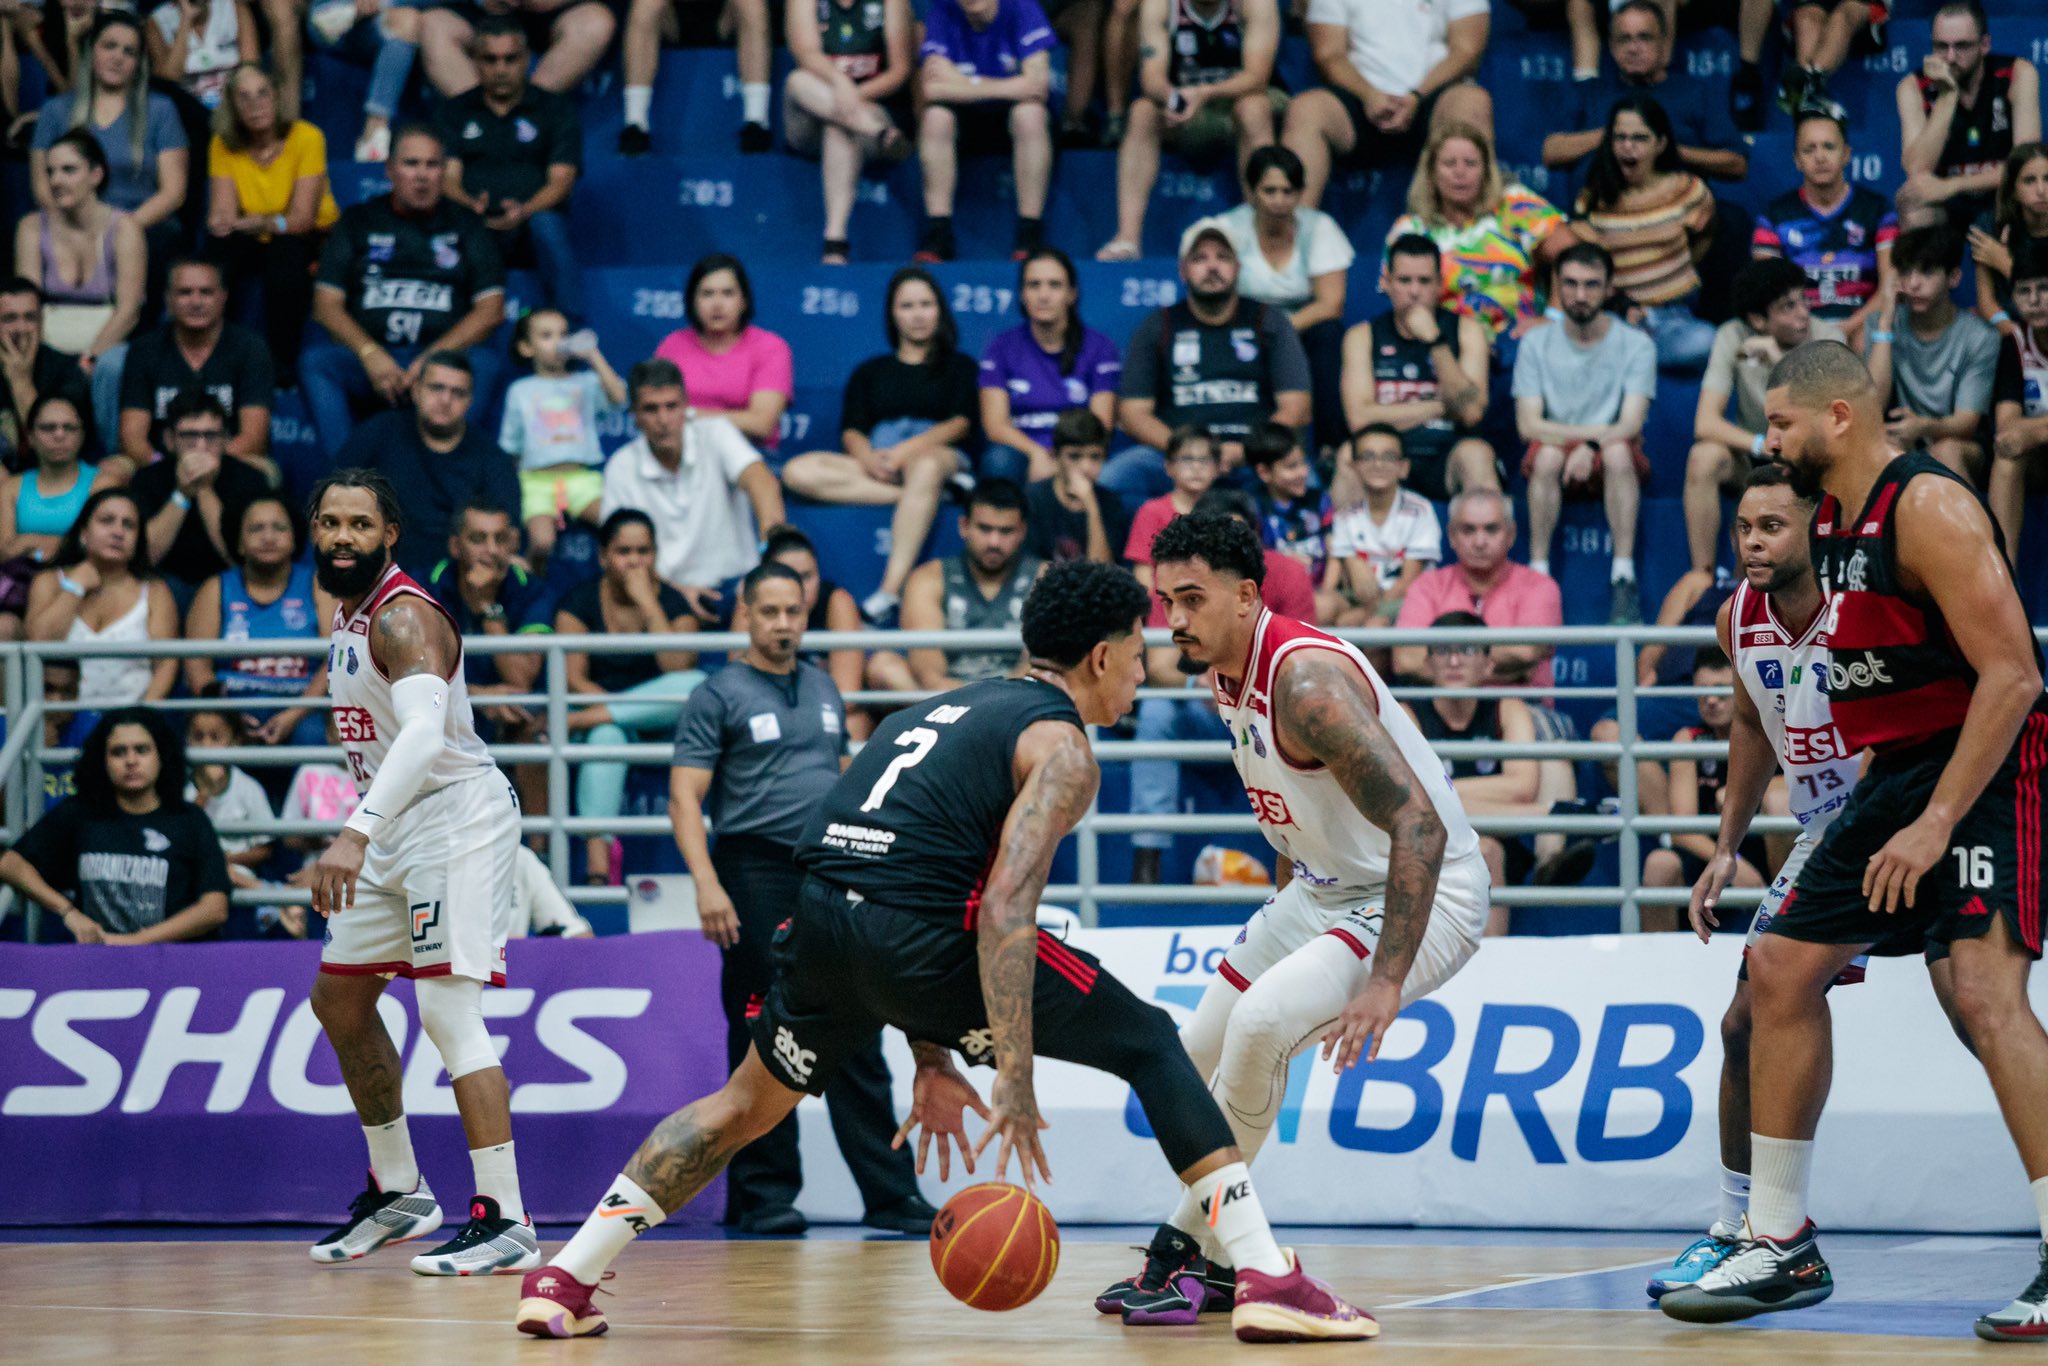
1992 867
845 967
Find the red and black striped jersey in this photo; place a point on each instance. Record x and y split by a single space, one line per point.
1895 675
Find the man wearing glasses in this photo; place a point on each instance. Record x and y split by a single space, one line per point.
1960 116
1640 42
192 497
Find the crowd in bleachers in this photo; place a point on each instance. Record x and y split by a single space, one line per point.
1470 344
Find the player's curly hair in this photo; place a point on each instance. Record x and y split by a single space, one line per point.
1076 606
1226 544
388 506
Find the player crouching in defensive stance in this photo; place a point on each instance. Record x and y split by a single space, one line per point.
418 884
897 925
1389 893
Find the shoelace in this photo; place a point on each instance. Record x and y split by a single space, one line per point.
2037 1290
364 1205
474 1232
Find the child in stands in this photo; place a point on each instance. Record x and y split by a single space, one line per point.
1294 518
550 427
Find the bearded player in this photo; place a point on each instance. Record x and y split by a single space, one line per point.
919 910
418 884
1933 666
1389 891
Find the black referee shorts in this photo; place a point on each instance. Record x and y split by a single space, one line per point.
844 968
1992 867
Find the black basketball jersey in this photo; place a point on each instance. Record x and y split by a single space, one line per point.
1203 52
915 821
1484 725
852 37
1979 137
1402 372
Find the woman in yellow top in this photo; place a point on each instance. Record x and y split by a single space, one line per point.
269 209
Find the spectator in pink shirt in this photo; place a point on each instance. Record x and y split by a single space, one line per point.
1484 580
731 368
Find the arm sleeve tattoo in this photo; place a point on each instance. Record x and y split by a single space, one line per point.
1324 711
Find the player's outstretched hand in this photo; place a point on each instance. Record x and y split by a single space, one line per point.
939 1101
1367 1016
1893 874
1016 1120
1706 893
334 876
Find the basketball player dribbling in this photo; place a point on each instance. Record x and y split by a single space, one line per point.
925 865
1932 666
1389 891
418 884
1770 629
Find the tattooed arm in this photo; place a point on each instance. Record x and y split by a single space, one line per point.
1326 711
1057 776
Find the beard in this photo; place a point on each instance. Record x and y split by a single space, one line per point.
350 581
1804 477
1212 299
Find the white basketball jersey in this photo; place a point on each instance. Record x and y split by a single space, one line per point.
1787 678
363 713
1303 812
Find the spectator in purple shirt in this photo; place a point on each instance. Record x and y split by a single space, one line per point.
1039 369
985 73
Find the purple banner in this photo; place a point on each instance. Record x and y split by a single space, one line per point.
191 1082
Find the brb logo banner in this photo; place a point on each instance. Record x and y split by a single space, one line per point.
191 1082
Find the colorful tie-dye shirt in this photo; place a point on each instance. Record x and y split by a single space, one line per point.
1490 263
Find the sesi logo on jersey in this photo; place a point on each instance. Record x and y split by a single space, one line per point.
1269 807
1814 744
355 724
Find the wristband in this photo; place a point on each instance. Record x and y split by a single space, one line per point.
1554 313
363 351
180 500
2001 316
1756 444
69 584
1880 337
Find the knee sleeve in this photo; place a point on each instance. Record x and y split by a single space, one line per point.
452 1015
1175 1096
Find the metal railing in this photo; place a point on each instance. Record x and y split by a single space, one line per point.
23 757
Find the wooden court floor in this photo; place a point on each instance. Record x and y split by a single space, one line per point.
854 1303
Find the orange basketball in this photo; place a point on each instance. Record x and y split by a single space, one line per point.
995 1246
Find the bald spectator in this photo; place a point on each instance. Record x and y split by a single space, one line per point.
1483 579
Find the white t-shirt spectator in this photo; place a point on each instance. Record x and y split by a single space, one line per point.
1411 532
1395 43
1583 386
244 800
214 52
704 524
1320 247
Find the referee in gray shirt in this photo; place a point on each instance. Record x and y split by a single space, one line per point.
764 739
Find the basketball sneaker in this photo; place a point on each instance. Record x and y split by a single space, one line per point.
1294 1308
1761 1276
554 1304
1691 1264
1198 1288
2026 1318
377 1217
488 1245
1169 1252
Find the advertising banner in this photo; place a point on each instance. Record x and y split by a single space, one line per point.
190 1082
1561 1082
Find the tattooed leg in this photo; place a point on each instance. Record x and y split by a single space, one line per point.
693 1145
676 1162
346 1007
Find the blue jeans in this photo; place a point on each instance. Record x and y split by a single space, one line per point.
1683 342
390 59
106 394
601 785
1155 783
554 257
1136 474
334 382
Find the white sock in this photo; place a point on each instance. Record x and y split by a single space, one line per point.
391 1159
1541 566
1233 1215
754 102
497 1176
1624 568
2040 1189
1780 1171
638 100
1734 1203
624 1214
1190 1218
